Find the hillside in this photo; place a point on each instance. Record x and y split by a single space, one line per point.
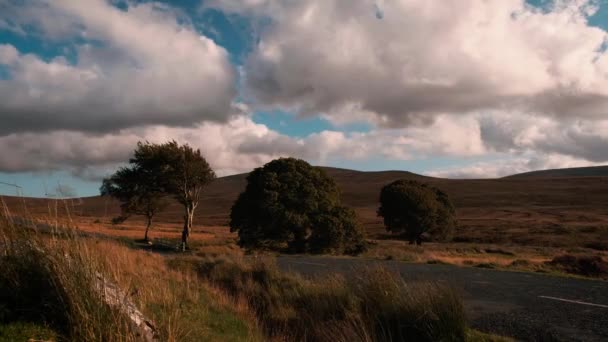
539 210
591 171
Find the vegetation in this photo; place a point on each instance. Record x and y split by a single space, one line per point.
50 290
287 201
182 173
376 306
586 265
413 209
139 192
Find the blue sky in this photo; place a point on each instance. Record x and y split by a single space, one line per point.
344 114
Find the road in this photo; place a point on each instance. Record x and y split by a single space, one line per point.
526 306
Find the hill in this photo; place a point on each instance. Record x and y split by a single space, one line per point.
552 211
591 171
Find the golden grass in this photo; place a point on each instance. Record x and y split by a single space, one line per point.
512 257
377 306
62 271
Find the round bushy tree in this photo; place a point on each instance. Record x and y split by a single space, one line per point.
413 209
287 201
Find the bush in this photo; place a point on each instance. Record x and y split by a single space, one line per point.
598 245
413 209
376 306
591 266
54 283
289 203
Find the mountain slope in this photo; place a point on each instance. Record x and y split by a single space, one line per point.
554 210
591 171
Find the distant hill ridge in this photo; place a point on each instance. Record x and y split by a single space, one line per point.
590 171
484 206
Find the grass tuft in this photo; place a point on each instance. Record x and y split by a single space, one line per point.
376 306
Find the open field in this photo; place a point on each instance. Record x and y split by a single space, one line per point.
51 291
510 224
531 211
519 222
534 218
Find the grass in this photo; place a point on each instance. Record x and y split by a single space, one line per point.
26 331
49 287
212 294
478 336
377 306
590 263
585 265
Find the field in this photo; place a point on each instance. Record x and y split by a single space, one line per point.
542 224
531 217
534 211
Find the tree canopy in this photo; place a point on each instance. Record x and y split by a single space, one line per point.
183 173
139 192
413 209
157 171
287 201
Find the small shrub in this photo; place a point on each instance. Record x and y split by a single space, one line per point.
590 229
118 220
591 266
499 251
598 245
520 263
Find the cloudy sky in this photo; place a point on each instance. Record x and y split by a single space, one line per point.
456 88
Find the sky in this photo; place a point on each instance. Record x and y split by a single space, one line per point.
461 89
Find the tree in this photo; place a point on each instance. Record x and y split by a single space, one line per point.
183 174
412 209
139 192
287 201
337 231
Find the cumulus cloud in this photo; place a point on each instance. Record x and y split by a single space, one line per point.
93 156
500 79
122 68
517 132
236 146
420 59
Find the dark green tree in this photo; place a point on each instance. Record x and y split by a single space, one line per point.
183 172
413 209
139 193
337 232
287 201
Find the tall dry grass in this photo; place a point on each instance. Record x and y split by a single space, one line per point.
376 305
53 280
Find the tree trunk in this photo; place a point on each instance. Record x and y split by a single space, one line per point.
148 228
188 218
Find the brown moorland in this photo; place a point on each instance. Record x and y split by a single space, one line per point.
524 210
523 222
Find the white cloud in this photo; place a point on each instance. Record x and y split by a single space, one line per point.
434 79
424 58
236 146
134 67
86 154
507 166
